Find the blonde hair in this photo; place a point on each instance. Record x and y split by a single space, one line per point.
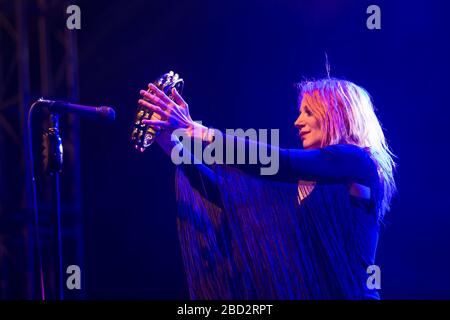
347 115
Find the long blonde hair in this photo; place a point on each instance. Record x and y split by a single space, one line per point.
347 115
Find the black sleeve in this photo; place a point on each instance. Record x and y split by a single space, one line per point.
332 164
336 163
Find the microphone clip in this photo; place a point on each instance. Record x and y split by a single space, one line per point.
52 148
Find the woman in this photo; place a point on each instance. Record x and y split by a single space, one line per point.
309 232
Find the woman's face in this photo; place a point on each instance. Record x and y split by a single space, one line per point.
309 127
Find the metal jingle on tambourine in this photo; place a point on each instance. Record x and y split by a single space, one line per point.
178 85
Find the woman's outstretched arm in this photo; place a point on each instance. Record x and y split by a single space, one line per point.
335 163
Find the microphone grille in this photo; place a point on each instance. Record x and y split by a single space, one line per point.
107 113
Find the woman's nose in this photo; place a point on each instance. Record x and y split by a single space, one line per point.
299 122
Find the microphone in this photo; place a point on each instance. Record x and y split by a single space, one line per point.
102 112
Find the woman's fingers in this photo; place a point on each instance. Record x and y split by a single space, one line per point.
161 95
157 123
159 98
153 99
174 114
178 99
153 108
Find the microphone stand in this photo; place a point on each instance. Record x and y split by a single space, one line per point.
54 168
53 165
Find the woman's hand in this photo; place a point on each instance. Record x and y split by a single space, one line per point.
174 114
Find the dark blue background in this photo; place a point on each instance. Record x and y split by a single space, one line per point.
239 60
